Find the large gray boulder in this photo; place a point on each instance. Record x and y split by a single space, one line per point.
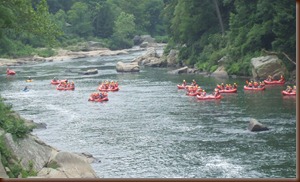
254 125
172 58
220 72
127 67
264 66
150 58
29 150
67 165
2 170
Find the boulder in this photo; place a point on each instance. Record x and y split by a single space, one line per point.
2 170
152 62
67 165
90 72
180 70
254 125
220 72
264 66
29 150
172 58
127 67
150 58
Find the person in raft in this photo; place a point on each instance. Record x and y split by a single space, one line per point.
203 94
294 88
289 89
234 86
281 78
184 83
216 92
194 83
29 78
270 78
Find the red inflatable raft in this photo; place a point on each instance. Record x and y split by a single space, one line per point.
56 82
10 72
234 90
181 86
108 89
274 82
98 99
193 93
293 93
64 88
254 88
208 97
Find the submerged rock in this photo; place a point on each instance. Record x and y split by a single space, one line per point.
254 125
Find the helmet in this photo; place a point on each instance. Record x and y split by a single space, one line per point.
184 80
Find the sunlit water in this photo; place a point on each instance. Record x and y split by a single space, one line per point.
149 129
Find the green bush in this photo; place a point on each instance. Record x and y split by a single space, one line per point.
45 52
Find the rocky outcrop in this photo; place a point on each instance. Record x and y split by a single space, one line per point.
172 58
255 126
67 165
144 41
2 170
29 150
127 67
179 71
267 65
88 72
220 72
46 160
151 58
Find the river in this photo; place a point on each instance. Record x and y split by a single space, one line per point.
150 129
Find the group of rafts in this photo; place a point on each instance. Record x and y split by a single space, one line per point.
195 90
103 87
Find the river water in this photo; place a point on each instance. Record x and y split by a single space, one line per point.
150 129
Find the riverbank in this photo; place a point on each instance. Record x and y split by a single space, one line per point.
26 156
61 55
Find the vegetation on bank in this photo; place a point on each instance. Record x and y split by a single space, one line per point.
9 123
203 31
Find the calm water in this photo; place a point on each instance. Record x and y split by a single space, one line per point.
149 129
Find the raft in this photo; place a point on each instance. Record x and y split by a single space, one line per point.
193 93
10 72
253 88
208 97
234 90
29 80
56 82
293 93
181 86
109 89
65 88
274 82
98 99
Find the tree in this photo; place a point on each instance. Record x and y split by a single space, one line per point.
79 17
124 30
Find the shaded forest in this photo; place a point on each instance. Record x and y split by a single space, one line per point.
203 31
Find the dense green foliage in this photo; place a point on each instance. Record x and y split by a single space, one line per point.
250 26
202 30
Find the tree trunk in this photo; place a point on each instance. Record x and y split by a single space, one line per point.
219 16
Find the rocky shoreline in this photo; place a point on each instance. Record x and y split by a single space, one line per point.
47 161
61 56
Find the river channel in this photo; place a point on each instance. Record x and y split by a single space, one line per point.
150 129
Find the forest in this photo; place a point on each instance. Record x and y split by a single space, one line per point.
203 31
